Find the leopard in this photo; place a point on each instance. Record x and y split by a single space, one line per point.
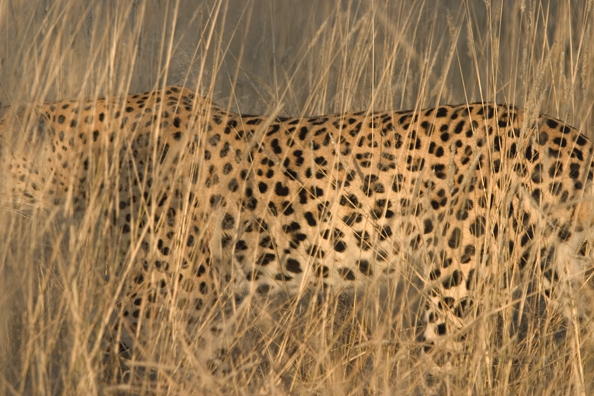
205 200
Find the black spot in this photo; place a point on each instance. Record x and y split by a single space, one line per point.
214 200
434 274
537 174
251 203
241 245
441 112
552 123
368 186
263 289
265 259
512 152
441 329
281 190
201 270
287 208
561 142
164 153
555 188
283 277
214 140
339 246
574 171
316 192
556 169
447 301
346 273
415 242
272 208
469 251
310 219
497 143
385 233
581 140
477 228
303 133
463 307
350 201
577 153
364 267
352 218
293 266
536 195
233 185
454 240
531 154
275 146
564 235
496 166
439 171
454 280
428 225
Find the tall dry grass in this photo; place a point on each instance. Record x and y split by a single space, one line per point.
306 57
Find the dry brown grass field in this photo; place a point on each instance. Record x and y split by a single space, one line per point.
58 291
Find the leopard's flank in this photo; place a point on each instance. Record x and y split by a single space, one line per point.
206 199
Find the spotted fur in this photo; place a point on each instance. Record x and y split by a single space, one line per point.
206 197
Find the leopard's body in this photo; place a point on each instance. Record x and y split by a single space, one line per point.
335 201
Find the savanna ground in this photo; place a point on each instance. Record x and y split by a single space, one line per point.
295 58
